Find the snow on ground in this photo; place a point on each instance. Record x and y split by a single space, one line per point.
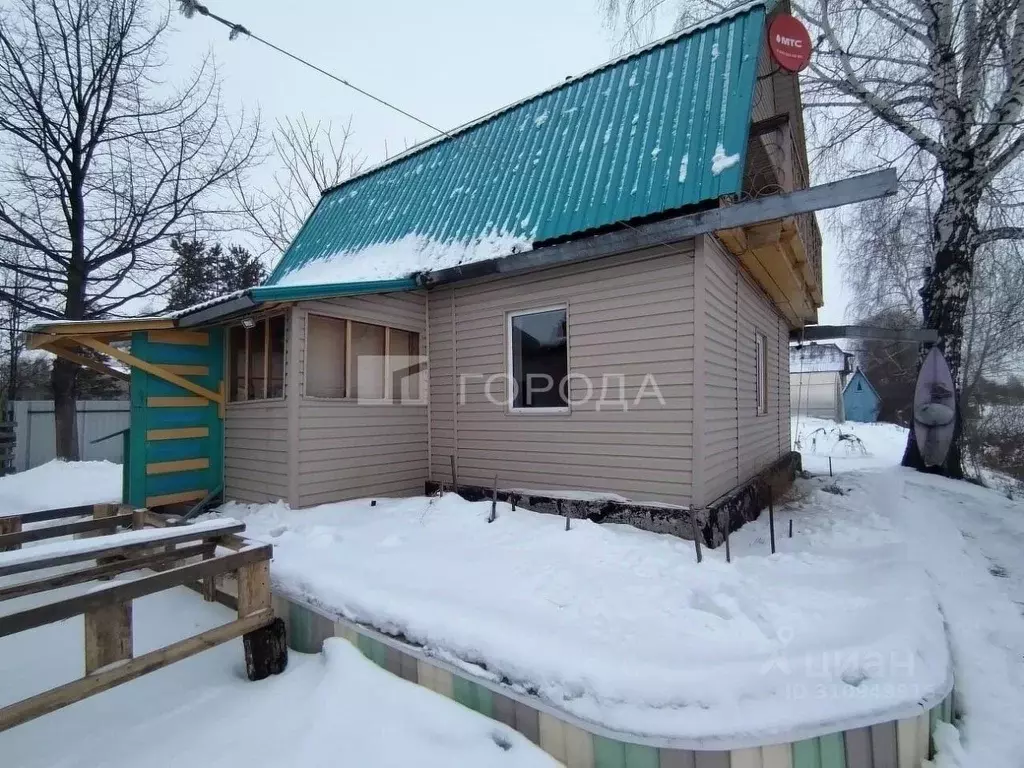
970 542
334 708
404 257
621 627
59 484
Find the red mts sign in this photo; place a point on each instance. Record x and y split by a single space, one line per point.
790 42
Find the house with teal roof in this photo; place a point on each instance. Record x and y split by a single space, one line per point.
588 293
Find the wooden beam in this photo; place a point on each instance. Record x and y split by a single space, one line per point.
176 402
100 549
108 635
187 370
838 193
64 529
185 338
123 591
105 328
152 368
176 498
179 433
153 560
254 588
50 514
826 332
62 696
60 350
181 465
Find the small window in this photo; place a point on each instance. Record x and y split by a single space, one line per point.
368 352
360 361
325 357
256 360
404 365
539 359
761 353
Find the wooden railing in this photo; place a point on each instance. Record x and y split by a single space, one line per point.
179 556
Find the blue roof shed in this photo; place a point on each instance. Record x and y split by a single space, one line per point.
860 400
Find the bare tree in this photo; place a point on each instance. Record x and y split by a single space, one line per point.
934 88
313 157
101 161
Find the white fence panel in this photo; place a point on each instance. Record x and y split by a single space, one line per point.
36 440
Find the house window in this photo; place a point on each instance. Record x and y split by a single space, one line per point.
256 360
761 353
346 359
538 360
325 357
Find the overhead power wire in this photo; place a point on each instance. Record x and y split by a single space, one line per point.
189 8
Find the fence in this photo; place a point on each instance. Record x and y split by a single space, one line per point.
36 441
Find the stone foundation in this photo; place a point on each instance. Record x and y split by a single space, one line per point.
740 506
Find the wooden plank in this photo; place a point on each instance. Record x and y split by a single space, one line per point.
254 587
679 228
99 548
9 527
103 328
108 635
184 338
181 465
64 529
151 368
154 560
181 433
120 592
187 370
176 402
175 498
62 696
50 514
87 362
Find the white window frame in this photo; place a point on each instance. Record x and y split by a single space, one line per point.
510 375
761 372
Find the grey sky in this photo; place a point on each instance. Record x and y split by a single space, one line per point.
446 61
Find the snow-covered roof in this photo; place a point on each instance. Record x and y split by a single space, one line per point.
657 130
818 358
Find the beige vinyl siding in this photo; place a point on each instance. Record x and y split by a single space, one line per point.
256 451
350 450
721 410
630 315
736 441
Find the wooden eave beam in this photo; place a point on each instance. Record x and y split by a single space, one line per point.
152 369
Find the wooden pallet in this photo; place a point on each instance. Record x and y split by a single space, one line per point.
184 555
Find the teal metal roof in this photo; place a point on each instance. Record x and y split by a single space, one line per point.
635 137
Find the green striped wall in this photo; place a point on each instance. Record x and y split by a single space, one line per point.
895 744
141 488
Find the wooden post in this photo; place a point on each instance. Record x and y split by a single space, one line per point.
266 648
696 536
455 477
10 525
108 635
100 511
791 527
494 502
771 518
138 519
253 588
728 550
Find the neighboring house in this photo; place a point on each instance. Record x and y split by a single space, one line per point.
816 376
555 297
860 400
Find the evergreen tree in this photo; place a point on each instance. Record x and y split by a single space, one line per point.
203 273
195 273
